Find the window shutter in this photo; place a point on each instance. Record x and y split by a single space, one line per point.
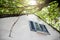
32 28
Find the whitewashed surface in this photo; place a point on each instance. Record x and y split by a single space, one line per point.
21 30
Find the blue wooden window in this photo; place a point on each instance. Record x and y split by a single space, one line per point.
34 26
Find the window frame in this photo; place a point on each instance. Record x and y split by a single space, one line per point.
39 29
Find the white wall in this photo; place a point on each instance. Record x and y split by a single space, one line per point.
21 30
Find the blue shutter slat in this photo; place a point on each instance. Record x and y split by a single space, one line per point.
40 27
32 28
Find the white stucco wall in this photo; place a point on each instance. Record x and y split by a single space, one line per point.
21 30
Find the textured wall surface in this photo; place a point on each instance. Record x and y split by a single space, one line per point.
21 30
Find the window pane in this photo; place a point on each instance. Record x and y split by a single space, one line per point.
37 27
40 27
32 26
44 28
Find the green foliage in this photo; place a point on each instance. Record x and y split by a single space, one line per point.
51 14
9 7
54 14
17 6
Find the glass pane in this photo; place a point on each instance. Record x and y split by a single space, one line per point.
37 26
44 28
